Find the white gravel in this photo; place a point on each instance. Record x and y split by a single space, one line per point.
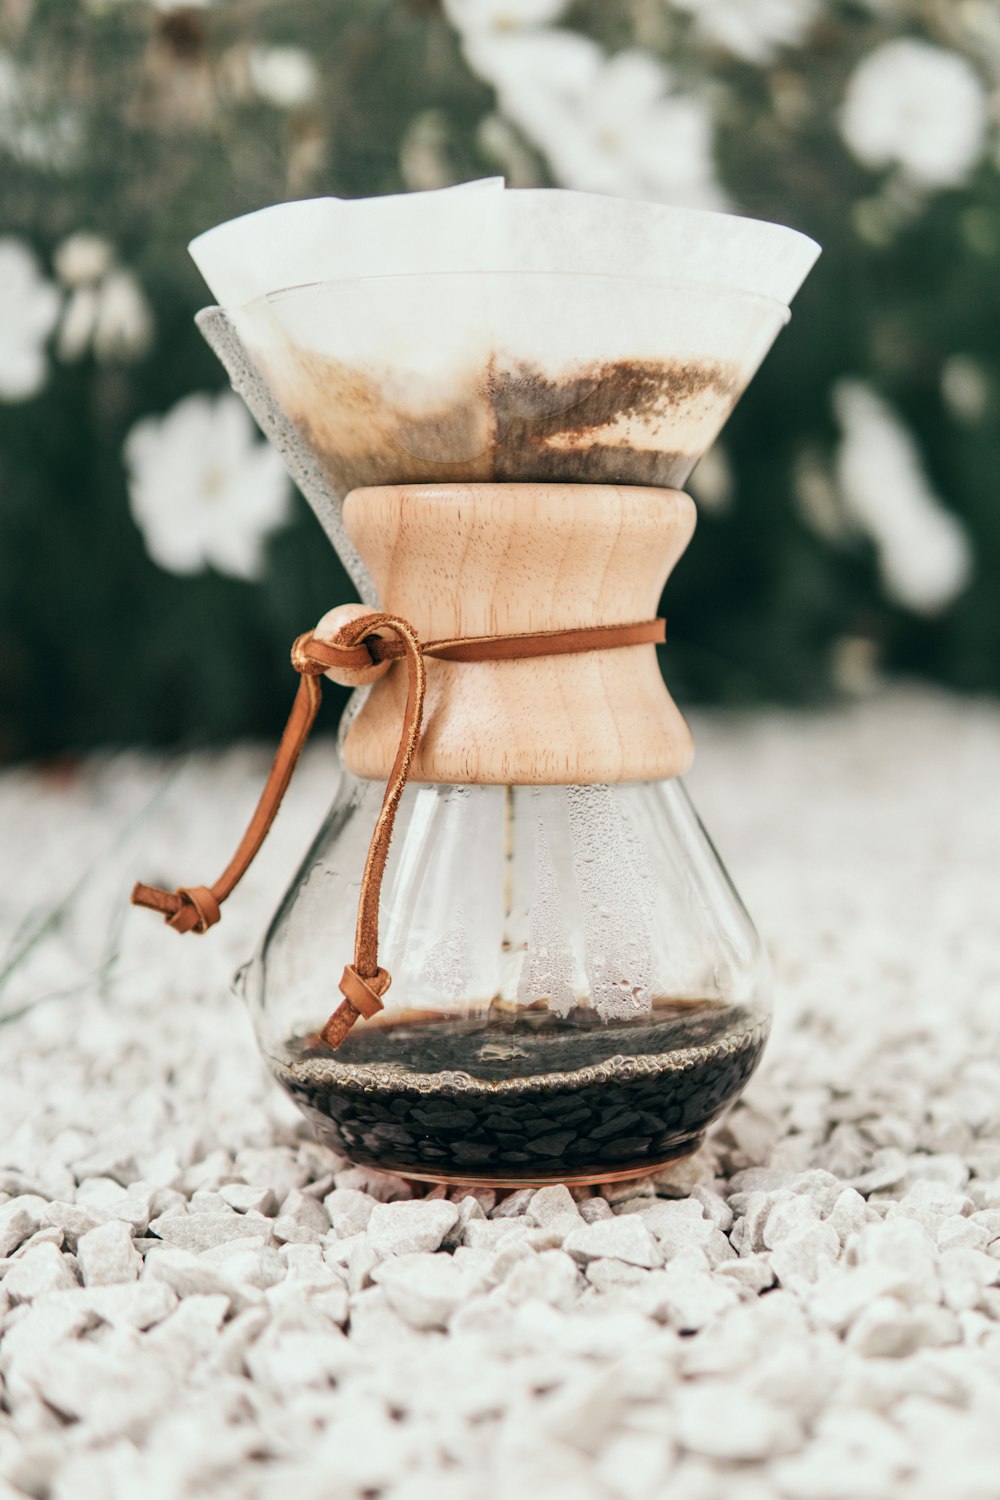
198 1301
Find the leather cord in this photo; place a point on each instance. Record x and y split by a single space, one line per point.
359 643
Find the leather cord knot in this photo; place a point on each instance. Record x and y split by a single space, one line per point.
199 910
362 999
312 657
188 909
305 664
365 994
369 638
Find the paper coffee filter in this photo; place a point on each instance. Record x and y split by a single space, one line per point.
587 233
476 333
323 239
480 226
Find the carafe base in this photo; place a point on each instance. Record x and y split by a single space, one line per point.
572 1179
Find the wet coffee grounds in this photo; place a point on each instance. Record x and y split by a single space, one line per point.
507 425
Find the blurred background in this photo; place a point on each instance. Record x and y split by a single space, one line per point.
849 520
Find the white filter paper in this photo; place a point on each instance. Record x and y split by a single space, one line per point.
477 333
481 226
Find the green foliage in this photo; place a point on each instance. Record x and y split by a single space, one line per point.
151 133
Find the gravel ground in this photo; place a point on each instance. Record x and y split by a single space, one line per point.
199 1301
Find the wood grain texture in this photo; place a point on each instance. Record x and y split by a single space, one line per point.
480 559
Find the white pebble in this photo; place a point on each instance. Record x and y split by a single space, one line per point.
73 1219
305 1211
109 1200
550 1203
635 1465
425 1289
789 1216
408 1227
686 1299
184 1272
723 1420
203 1231
679 1226
889 1167
273 1167
490 1234
957 1231
384 1187
905 1253
821 1188
678 1178
593 1209
208 1173
19 1218
514 1248
284 1362
107 1254
126 1304
801 1257
551 1234
753 1210
514 1204
470 1210
625 1239
754 1272
41 1269
849 1214
362 1262
886 1329
964 1275
552 1276
254 1260
842 1292
348 1210
611 1275
714 1207
246 1199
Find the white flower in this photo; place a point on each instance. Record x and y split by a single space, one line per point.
923 550
29 308
82 258
123 326
531 68
501 15
283 76
916 106
817 499
604 124
203 492
751 29
712 483
965 386
107 307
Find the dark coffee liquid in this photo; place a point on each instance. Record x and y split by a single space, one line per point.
525 1096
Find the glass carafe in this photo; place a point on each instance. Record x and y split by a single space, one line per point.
577 990
509 386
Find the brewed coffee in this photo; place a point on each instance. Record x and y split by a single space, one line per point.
525 1096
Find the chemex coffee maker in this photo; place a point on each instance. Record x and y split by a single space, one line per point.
512 954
